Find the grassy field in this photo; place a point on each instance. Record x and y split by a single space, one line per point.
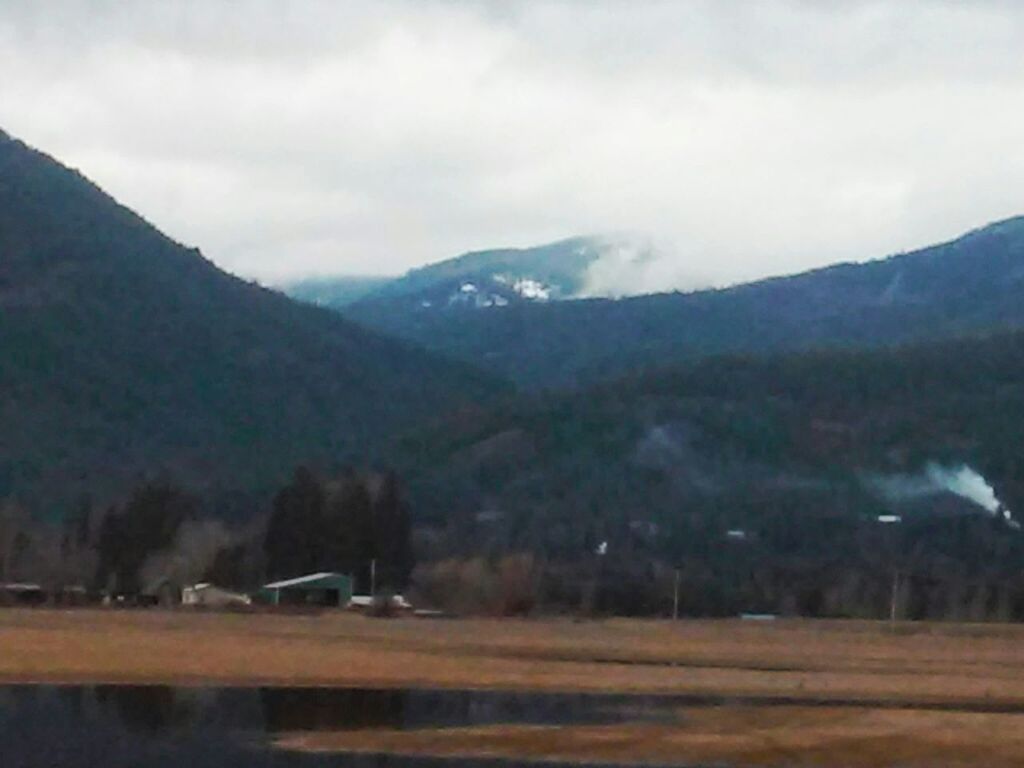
735 736
899 677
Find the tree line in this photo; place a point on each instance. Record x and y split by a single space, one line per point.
163 537
791 553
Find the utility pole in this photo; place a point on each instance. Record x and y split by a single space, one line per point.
895 597
675 598
588 600
890 521
373 577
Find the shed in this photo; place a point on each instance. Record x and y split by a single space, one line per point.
208 595
366 602
328 589
22 594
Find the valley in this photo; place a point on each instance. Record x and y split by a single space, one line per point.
254 433
534 384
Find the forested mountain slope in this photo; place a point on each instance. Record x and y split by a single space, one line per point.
736 439
972 284
122 352
762 478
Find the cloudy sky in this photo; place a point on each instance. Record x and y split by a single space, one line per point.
747 138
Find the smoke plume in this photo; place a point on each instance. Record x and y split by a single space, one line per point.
962 481
194 551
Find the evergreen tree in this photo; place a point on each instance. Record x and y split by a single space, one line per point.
294 540
392 532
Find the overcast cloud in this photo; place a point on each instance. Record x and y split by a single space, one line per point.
748 138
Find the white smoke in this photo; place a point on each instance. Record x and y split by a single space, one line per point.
961 480
965 482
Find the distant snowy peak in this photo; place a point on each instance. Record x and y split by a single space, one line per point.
584 267
577 268
495 279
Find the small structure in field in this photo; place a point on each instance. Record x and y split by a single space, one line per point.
323 589
22 594
367 602
209 596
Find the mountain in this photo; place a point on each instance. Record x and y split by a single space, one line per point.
124 353
558 271
972 284
496 278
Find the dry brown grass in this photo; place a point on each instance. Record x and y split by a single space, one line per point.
740 736
926 663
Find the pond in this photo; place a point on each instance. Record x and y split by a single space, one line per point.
115 726
110 726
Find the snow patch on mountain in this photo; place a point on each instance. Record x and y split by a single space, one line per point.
470 295
532 289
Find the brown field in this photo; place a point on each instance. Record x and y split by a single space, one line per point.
898 676
737 736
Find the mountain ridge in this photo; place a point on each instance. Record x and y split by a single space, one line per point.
489 278
967 285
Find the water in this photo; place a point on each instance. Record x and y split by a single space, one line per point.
140 726
115 726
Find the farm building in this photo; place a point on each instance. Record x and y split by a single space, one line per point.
210 596
22 594
327 589
365 602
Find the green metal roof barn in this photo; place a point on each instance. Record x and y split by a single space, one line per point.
328 589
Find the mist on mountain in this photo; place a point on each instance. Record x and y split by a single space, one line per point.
969 285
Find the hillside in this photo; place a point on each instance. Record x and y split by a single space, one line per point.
762 476
969 285
730 425
122 353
